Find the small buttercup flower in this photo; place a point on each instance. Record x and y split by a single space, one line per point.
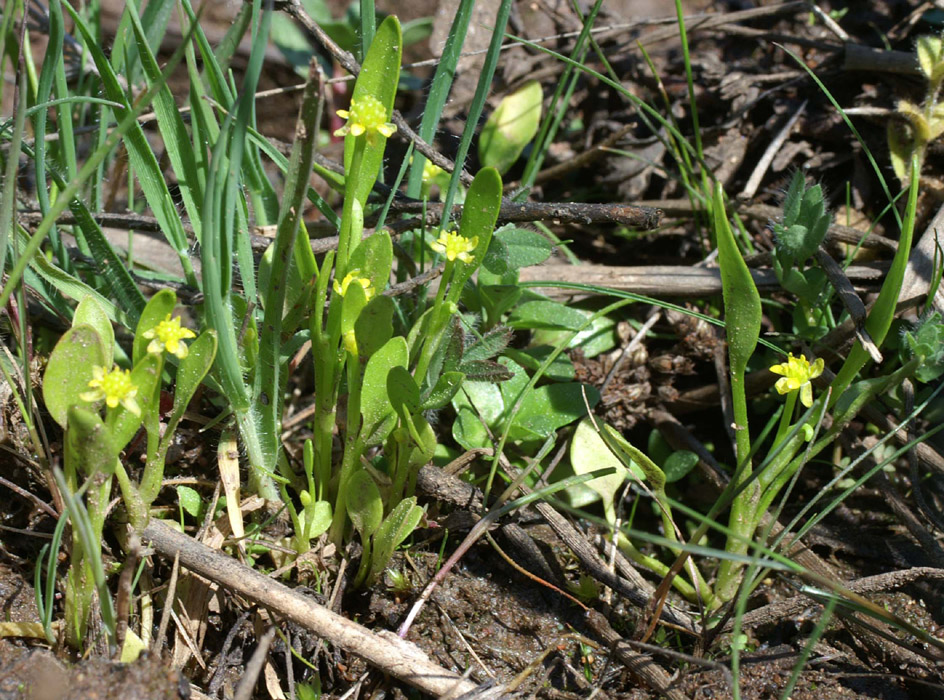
353 277
367 115
797 373
430 172
115 387
454 245
167 335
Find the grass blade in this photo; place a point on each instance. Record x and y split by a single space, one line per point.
478 102
439 90
268 378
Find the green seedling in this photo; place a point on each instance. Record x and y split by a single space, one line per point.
798 235
592 448
80 380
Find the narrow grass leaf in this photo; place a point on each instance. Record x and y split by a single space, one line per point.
177 143
478 102
439 90
883 310
141 157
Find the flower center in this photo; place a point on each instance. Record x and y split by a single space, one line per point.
369 112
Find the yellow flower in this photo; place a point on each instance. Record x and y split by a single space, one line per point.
354 276
430 171
367 115
115 387
167 335
453 246
797 372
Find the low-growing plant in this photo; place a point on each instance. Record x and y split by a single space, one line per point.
81 379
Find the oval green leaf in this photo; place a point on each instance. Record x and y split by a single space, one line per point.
511 127
69 370
90 312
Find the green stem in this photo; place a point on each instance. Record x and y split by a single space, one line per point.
437 321
364 567
785 418
657 567
883 310
744 506
348 462
136 506
346 234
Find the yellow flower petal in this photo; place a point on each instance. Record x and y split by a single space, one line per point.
797 373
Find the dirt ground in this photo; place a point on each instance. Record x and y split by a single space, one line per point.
488 618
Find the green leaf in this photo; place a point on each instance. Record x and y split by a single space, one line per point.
374 326
496 257
512 387
424 448
364 503
521 248
403 392
485 397
479 214
474 399
192 371
492 343
446 387
439 88
600 337
678 465
88 445
560 370
546 315
90 312
742 312
291 42
397 526
930 52
140 154
448 354
295 286
190 500
883 310
552 406
374 258
170 123
588 453
417 30
156 310
377 412
468 431
485 371
791 203
901 144
316 519
69 370
628 452
511 127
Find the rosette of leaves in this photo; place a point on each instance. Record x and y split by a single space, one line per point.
926 342
798 235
